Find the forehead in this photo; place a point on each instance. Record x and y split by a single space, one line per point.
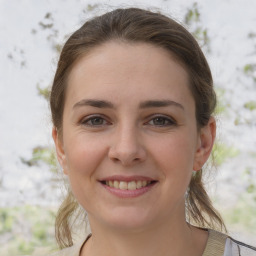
125 67
123 52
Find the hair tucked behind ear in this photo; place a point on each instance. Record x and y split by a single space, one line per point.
135 25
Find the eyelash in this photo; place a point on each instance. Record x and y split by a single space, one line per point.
95 117
88 121
167 121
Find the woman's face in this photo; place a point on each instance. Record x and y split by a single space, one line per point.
130 140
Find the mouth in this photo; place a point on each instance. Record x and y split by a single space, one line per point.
131 185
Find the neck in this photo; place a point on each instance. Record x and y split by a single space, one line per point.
172 239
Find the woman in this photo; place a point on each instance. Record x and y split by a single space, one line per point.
132 103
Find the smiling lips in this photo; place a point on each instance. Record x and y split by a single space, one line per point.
131 185
128 187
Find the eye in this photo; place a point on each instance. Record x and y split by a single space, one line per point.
162 121
94 121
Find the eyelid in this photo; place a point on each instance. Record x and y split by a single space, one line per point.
84 121
170 119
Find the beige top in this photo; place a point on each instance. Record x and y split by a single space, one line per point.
218 244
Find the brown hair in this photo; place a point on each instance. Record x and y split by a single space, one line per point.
136 25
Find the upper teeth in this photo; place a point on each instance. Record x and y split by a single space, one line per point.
131 185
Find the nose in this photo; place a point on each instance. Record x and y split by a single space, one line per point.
127 147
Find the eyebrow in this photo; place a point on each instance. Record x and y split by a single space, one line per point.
160 103
94 103
143 105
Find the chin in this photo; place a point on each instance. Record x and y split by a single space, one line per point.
129 219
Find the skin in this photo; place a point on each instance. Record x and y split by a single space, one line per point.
129 137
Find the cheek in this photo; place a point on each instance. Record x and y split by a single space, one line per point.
83 158
84 155
175 154
175 148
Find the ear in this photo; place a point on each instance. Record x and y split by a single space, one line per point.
206 139
59 149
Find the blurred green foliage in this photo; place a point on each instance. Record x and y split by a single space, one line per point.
192 15
44 155
251 105
250 68
221 103
222 152
92 7
6 221
242 216
26 228
193 21
44 92
251 184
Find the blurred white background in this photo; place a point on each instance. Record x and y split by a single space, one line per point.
32 32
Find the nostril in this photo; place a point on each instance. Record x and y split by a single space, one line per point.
126 155
115 159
